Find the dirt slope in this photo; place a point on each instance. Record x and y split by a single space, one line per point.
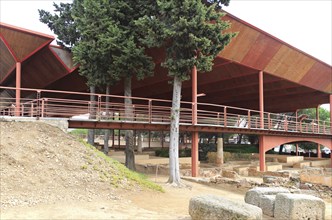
41 164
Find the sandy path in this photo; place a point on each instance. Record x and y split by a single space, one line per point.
173 204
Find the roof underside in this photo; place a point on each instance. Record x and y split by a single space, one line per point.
292 79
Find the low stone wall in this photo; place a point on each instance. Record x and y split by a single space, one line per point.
318 176
211 207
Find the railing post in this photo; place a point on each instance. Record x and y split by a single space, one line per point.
324 131
150 111
42 107
225 116
22 110
218 118
269 121
31 109
38 104
249 119
286 123
99 108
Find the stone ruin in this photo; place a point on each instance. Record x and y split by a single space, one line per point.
275 202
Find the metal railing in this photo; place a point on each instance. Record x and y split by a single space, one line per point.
52 103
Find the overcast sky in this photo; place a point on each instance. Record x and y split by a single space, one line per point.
303 24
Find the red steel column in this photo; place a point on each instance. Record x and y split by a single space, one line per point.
331 126
261 154
261 99
194 135
18 89
331 116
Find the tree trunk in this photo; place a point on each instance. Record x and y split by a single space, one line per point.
91 132
139 142
239 138
130 157
174 171
107 131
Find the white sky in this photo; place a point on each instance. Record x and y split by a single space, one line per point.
303 24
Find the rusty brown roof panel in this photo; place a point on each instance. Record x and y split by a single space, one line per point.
42 69
7 62
22 42
64 56
318 77
262 51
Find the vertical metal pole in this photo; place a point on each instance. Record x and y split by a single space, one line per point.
331 119
18 89
297 150
296 120
149 141
249 119
225 116
42 108
150 111
119 138
261 99
261 154
317 118
194 141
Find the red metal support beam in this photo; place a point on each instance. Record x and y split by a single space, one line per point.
194 142
18 89
261 99
331 126
261 153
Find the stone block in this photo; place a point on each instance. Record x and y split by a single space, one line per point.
302 164
230 174
320 163
253 195
298 206
267 204
241 170
211 207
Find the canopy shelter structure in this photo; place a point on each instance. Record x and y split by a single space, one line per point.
255 71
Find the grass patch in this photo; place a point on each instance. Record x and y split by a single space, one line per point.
124 172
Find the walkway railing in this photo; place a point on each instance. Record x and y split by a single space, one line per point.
51 103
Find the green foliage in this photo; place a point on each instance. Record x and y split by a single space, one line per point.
164 152
62 24
239 149
324 115
190 32
79 132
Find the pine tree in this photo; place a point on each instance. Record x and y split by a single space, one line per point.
192 35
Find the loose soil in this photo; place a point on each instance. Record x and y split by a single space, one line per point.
47 174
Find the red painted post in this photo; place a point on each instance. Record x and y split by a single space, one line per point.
225 116
249 119
286 123
296 115
194 141
261 154
18 89
150 111
317 118
319 154
269 120
331 121
261 99
194 154
42 108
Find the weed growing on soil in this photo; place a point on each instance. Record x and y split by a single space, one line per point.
123 172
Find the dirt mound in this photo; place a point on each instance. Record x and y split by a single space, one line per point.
42 164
